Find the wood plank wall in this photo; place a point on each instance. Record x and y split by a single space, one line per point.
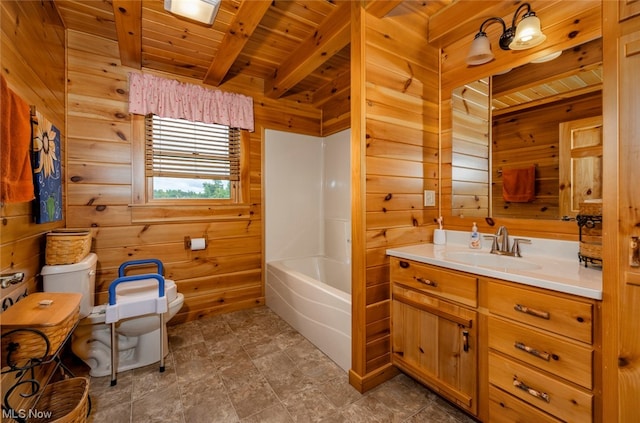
621 205
396 152
33 63
227 275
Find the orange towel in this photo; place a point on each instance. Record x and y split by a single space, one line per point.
16 176
519 185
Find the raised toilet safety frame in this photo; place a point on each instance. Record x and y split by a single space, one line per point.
115 312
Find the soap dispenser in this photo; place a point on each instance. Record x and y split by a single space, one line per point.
474 242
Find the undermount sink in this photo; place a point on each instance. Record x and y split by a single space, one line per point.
492 261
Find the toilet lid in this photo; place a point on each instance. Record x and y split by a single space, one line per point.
145 288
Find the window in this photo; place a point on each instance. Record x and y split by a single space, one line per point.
187 160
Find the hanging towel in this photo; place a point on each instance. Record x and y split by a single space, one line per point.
519 185
16 178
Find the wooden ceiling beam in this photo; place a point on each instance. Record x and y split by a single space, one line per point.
547 100
380 8
332 35
332 89
249 15
128 20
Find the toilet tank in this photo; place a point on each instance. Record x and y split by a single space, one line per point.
79 277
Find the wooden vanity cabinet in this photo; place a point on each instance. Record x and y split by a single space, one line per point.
434 329
529 354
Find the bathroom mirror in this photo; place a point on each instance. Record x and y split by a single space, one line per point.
543 123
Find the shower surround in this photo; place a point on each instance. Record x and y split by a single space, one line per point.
308 237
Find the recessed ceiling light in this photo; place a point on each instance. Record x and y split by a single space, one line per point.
198 10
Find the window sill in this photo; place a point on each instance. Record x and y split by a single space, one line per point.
171 213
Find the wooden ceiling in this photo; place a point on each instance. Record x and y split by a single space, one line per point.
576 72
299 48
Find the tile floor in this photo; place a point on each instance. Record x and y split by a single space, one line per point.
251 366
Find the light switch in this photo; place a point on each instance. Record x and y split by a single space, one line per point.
429 198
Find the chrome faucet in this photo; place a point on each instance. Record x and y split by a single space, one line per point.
502 236
501 246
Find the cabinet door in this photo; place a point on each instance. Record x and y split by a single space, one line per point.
629 9
436 343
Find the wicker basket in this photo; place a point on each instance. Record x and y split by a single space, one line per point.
593 251
591 208
66 401
24 341
67 247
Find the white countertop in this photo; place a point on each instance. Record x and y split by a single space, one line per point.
559 269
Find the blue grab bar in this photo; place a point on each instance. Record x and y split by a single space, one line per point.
126 264
112 287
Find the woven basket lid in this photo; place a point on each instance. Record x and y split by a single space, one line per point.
41 309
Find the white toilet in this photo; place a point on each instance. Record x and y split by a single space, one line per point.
138 337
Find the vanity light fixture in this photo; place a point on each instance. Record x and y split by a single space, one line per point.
526 34
197 10
548 57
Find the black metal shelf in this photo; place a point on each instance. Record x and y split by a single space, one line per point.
25 372
588 221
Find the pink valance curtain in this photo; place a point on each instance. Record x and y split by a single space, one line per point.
177 100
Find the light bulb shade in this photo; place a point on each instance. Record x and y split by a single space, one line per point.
197 10
548 57
528 33
480 51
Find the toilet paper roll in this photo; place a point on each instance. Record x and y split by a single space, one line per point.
198 244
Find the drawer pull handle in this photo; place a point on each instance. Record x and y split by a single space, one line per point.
404 264
521 385
465 340
531 311
540 354
428 282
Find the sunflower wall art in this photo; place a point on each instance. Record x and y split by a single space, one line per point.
47 174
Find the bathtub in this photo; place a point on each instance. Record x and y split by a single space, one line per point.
313 294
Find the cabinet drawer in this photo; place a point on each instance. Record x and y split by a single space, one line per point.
571 318
505 408
566 359
453 286
546 393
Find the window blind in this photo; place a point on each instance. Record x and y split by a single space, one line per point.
179 148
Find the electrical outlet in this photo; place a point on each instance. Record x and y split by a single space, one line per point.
429 198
